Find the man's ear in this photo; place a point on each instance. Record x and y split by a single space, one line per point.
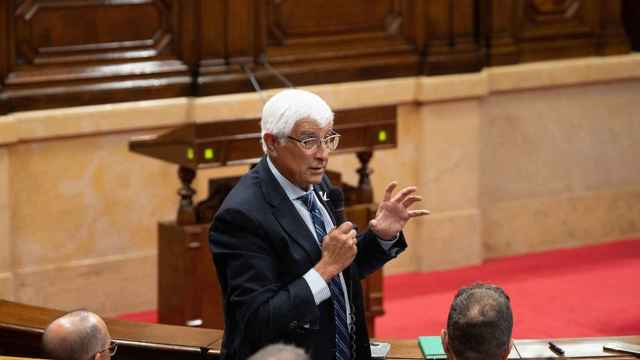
270 142
445 340
508 351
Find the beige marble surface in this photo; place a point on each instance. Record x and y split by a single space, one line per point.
542 223
6 286
559 73
453 87
109 285
8 132
86 197
5 213
559 141
450 239
99 119
448 155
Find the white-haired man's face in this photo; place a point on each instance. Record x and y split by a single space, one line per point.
300 166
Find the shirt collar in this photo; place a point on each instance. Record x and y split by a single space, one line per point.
292 191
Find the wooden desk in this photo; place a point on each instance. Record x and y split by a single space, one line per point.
22 326
529 348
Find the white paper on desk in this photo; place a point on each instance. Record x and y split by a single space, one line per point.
572 348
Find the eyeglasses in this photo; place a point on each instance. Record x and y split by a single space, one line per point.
310 144
112 348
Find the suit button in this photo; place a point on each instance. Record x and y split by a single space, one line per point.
293 324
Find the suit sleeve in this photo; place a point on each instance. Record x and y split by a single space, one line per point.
260 295
372 256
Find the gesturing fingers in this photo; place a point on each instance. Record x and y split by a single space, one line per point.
389 190
402 195
410 200
416 213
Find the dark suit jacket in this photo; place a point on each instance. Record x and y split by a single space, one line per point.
261 249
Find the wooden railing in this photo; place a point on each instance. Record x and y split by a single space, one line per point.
21 328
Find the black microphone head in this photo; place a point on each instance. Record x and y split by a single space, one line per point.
336 197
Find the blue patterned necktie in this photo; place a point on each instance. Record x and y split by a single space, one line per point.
337 295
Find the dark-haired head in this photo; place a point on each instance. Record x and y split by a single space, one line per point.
479 324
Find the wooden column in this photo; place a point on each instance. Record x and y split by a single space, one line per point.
451 41
500 35
6 50
631 14
232 37
612 38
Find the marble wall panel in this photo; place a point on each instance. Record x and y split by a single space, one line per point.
108 285
529 225
447 159
5 213
450 239
6 286
545 143
85 198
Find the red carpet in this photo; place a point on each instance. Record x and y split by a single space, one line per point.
589 291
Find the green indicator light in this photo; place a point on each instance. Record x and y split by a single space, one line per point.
190 153
382 136
209 154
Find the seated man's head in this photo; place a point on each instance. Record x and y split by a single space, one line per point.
78 335
479 324
297 134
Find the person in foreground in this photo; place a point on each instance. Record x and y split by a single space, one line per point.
479 324
289 268
280 352
78 335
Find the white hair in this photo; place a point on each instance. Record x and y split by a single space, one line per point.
286 108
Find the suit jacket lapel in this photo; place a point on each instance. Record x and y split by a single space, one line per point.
285 212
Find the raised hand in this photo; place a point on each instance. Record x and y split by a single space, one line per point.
393 212
339 248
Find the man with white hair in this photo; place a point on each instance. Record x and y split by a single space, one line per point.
288 272
78 335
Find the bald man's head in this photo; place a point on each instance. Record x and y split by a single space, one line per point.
280 352
78 335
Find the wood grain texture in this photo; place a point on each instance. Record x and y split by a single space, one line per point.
57 53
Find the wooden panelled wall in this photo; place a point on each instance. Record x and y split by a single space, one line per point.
59 53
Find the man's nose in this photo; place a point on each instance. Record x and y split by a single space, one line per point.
322 151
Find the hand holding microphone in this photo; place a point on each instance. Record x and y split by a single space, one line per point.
339 248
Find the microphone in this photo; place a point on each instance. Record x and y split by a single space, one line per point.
336 198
